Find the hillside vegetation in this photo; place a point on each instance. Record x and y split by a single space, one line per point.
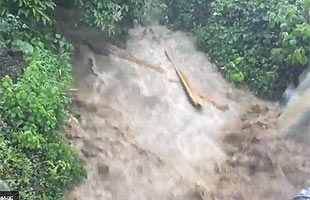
36 159
264 44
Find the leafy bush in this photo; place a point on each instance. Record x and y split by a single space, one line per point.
293 22
105 14
37 160
113 15
39 11
10 25
263 44
185 14
15 168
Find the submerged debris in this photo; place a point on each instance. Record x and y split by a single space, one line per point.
128 56
196 100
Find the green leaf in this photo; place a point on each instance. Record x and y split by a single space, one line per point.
293 42
237 77
284 26
300 56
25 46
58 36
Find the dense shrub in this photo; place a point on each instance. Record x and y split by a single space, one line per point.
10 26
39 11
186 15
112 16
293 22
36 159
104 14
261 43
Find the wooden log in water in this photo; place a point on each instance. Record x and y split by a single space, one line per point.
128 56
196 100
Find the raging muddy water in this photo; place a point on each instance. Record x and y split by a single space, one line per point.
296 115
141 139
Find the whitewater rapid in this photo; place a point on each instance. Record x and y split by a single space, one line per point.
147 141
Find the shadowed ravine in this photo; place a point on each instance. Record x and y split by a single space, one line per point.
142 139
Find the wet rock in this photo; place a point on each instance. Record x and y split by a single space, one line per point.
257 109
223 108
194 195
88 153
234 95
72 135
262 125
104 171
101 48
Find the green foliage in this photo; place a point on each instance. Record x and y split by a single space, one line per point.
42 164
10 25
15 168
239 38
36 158
293 22
264 44
185 14
105 14
113 15
50 75
28 9
29 140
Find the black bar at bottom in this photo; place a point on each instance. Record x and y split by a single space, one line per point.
9 195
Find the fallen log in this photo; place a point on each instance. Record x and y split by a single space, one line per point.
196 100
128 56
104 48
